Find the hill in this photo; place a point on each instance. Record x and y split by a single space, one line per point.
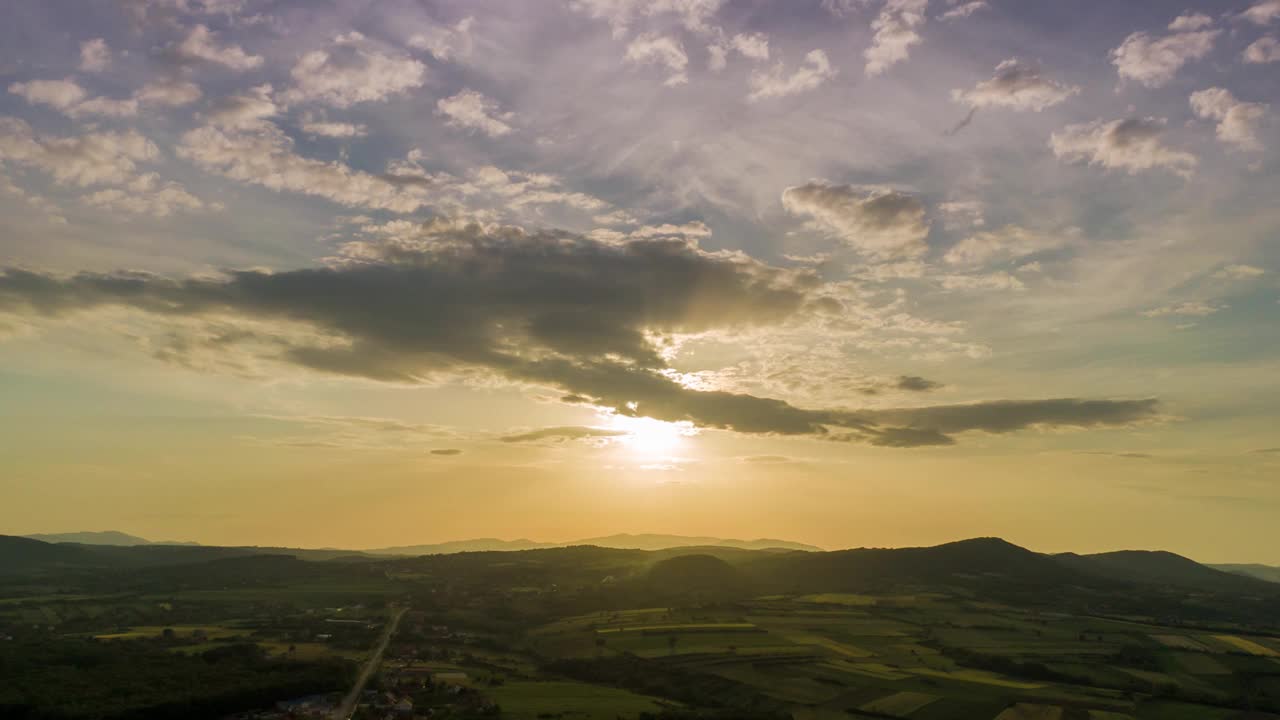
980 561
20 554
1157 567
1261 572
699 575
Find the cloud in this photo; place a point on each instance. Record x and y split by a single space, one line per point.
1263 50
753 45
94 158
1237 121
58 94
562 433
693 230
1193 21
1004 416
766 459
963 213
1239 272
962 9
445 42
775 82
719 57
171 92
67 97
906 437
915 383
1007 243
894 33
95 56
549 309
146 195
1186 309
1262 13
244 110
46 207
991 281
97 159
663 51
693 15
1123 455
350 72
201 45
1017 86
359 433
263 155
470 110
881 222
1132 144
313 124
1153 61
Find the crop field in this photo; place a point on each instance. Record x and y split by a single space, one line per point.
680 629
848 599
928 658
899 704
210 632
528 700
1247 645
1029 711
1199 664
1181 642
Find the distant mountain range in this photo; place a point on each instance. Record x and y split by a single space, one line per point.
812 568
104 537
984 564
623 541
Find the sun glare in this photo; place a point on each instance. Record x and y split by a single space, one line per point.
649 437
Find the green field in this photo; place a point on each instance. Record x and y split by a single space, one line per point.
529 700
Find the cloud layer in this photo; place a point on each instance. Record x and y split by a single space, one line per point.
548 308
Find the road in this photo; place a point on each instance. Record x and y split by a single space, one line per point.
348 705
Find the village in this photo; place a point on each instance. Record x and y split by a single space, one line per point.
417 677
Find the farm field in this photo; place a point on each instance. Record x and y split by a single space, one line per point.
470 646
931 657
531 700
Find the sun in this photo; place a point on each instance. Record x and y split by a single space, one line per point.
649 437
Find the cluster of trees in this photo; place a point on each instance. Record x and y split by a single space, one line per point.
70 679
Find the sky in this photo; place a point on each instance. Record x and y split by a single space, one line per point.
846 272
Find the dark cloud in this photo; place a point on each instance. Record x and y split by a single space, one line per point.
1002 416
904 437
551 309
446 451
1268 451
915 383
561 433
964 123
